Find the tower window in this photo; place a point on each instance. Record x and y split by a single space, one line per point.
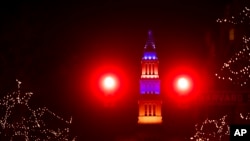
154 107
146 110
153 68
149 110
149 68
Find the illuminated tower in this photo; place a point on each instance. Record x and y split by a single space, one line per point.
149 101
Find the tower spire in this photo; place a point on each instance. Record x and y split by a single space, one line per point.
150 45
150 36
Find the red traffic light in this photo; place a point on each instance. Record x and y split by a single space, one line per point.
183 84
109 84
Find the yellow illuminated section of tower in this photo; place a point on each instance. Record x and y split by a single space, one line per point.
150 112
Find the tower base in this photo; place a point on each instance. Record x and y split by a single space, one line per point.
149 119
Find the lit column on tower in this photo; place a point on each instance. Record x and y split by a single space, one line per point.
149 102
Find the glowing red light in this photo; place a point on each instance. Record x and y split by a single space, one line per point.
183 84
109 84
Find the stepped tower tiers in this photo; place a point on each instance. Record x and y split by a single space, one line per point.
149 102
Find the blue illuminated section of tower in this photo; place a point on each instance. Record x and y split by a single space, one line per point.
149 82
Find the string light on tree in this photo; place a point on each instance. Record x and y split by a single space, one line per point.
216 130
28 124
242 18
211 130
245 116
237 68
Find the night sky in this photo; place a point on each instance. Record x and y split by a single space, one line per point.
58 50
